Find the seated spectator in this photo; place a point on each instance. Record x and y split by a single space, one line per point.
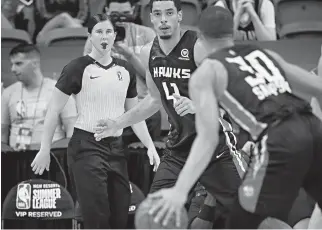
136 36
8 13
24 103
317 109
17 14
52 14
253 19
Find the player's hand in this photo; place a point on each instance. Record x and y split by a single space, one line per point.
41 161
169 202
104 128
183 105
123 49
153 157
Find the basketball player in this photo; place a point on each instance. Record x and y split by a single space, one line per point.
170 60
269 98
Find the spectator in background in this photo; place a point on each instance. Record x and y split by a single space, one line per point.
24 104
8 13
314 103
17 14
253 19
52 14
127 48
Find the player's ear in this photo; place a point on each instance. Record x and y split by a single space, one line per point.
180 16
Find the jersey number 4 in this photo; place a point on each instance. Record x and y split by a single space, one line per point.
167 92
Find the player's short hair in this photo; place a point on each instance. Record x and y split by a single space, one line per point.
24 48
96 19
177 3
216 22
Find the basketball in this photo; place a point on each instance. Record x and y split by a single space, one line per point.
145 221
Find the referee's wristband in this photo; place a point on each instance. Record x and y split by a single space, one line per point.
207 213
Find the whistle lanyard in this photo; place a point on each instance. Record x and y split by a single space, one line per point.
23 104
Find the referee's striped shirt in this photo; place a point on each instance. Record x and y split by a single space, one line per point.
100 91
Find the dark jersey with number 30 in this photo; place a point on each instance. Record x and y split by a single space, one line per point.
258 92
171 74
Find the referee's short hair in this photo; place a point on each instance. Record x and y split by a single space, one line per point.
27 49
216 22
96 19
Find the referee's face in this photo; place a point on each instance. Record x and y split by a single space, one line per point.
103 36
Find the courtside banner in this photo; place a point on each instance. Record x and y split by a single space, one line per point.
38 199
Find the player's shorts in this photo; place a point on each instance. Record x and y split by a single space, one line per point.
221 177
302 208
288 157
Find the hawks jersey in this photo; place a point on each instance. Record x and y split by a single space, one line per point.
171 74
258 92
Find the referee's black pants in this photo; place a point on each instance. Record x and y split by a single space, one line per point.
99 171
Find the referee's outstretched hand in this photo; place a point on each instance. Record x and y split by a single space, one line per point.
41 161
104 128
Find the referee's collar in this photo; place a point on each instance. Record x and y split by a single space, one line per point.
102 66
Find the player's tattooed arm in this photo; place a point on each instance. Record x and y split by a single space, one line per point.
206 86
303 83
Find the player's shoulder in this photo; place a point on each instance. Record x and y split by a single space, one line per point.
214 65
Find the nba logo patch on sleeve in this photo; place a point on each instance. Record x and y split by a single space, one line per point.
119 75
23 200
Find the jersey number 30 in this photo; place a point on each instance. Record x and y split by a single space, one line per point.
264 77
167 92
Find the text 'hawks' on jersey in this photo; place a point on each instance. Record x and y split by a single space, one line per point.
171 74
258 92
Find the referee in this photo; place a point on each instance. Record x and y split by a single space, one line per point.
104 87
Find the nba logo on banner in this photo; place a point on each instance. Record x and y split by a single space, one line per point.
23 200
